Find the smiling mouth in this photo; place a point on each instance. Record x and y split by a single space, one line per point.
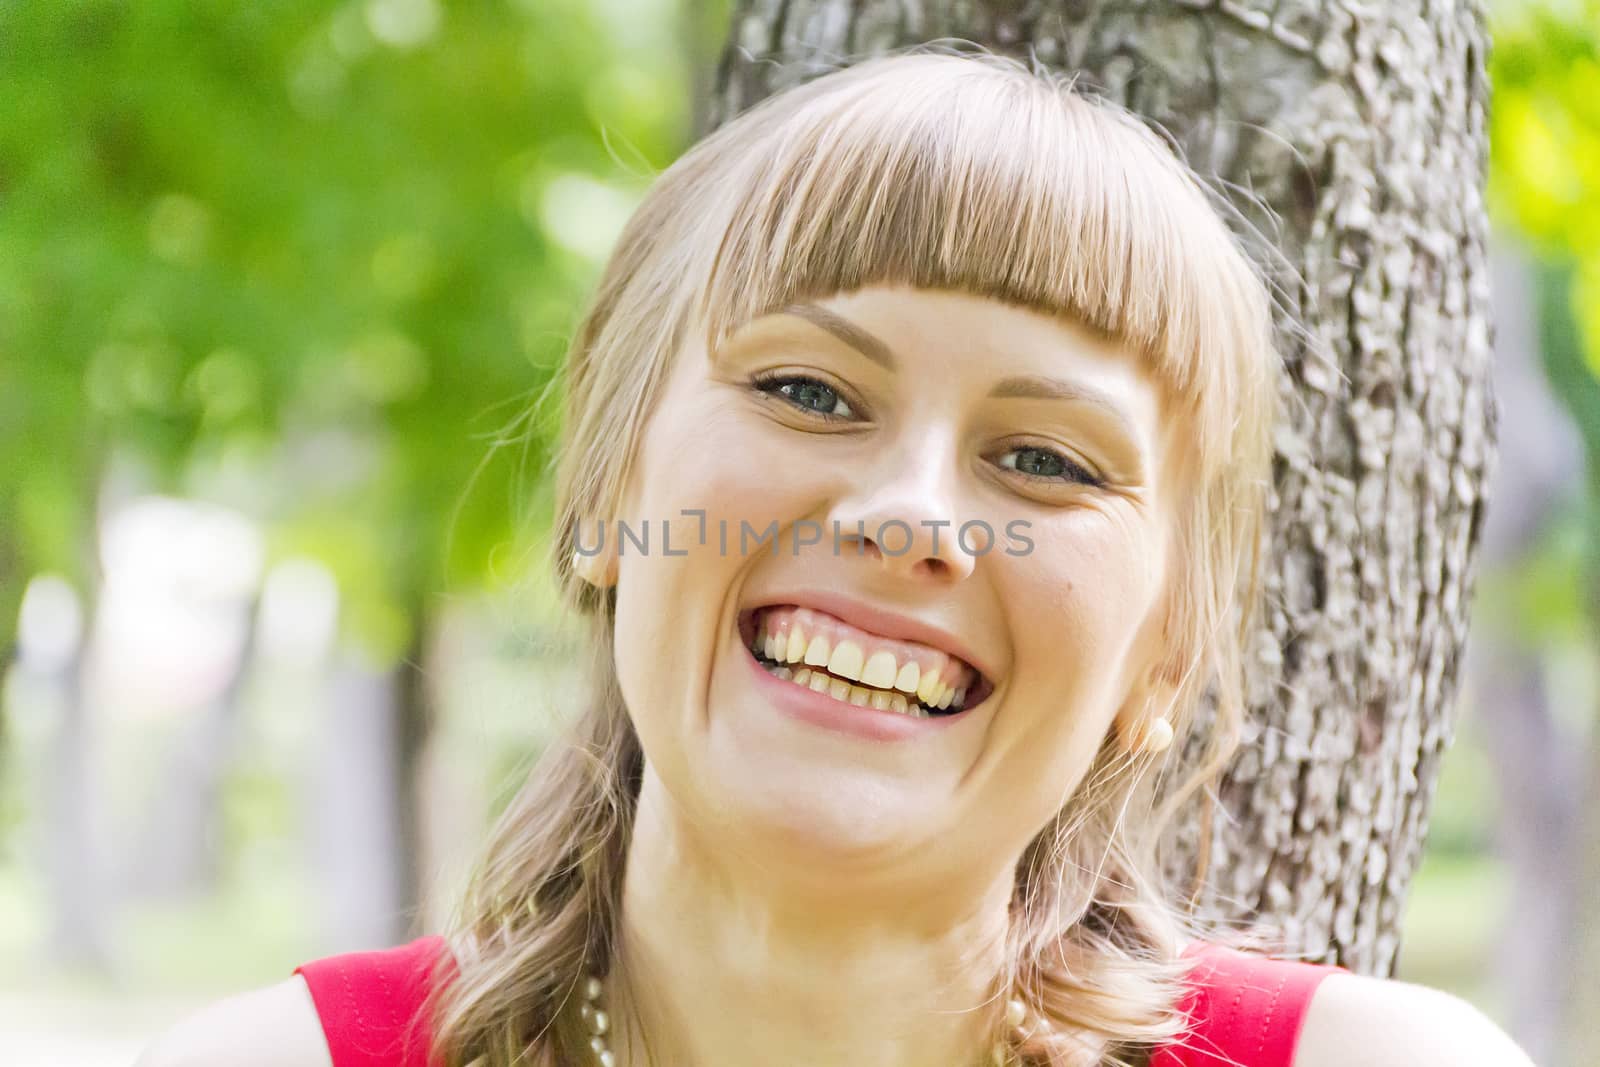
813 649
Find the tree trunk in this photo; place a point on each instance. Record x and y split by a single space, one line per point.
1362 128
11 586
81 920
12 583
1580 1036
1537 756
356 817
367 815
1578 968
181 844
415 727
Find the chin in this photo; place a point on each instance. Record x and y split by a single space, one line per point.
805 813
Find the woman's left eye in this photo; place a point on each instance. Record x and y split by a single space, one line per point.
1047 464
808 394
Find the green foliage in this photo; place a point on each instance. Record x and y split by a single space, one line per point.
1545 122
1535 604
1544 177
346 243
1544 185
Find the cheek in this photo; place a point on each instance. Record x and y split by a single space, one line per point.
709 483
1086 595
1076 605
735 472
1075 613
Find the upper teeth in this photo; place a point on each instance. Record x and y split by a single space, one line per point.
798 635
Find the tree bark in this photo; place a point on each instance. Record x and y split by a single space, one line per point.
1361 127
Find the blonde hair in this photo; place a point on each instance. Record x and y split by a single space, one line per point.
972 173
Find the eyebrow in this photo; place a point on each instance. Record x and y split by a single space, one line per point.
846 331
1017 387
1037 387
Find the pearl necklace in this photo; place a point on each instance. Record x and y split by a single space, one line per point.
594 1015
599 1023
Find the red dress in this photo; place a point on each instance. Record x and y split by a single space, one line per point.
1246 1010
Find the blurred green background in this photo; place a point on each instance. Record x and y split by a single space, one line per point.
283 289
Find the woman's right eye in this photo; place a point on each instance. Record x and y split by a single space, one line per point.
808 394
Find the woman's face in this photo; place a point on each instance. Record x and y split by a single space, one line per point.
900 415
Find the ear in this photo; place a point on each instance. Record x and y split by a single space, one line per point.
1134 724
1156 672
1151 699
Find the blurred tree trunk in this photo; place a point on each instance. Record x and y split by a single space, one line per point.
1578 967
1581 1037
181 842
415 720
356 812
82 900
81 926
12 583
1362 130
1538 767
368 825
1537 773
699 24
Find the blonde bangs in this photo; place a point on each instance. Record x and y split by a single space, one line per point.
909 171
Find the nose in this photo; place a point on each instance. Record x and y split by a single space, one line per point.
902 509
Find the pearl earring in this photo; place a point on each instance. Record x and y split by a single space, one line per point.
581 567
588 568
1157 736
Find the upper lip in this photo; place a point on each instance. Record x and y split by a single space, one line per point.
880 621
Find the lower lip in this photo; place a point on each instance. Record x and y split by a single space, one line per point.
820 709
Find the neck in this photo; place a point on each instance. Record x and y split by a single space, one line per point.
722 962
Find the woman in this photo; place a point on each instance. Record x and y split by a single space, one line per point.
935 399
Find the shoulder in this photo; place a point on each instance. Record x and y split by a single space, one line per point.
1243 1008
1357 1021
276 1026
354 1009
